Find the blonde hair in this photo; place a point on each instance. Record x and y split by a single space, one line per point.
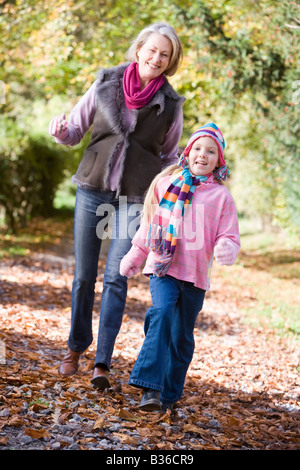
151 201
167 31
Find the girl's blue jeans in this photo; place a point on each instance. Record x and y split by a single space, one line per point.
91 217
168 347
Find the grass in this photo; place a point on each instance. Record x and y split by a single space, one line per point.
266 279
284 318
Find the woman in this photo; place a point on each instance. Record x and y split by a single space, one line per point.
137 124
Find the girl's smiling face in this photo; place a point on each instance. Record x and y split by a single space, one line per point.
154 57
203 157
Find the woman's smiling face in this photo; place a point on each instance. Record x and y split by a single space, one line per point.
154 57
204 156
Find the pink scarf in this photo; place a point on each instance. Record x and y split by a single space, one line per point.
134 97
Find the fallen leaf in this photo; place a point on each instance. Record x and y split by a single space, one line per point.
4 440
37 433
126 439
16 421
100 423
191 428
126 415
234 422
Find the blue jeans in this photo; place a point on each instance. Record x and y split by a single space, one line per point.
168 347
91 217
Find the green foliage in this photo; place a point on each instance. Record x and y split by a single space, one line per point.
240 69
32 165
248 67
30 179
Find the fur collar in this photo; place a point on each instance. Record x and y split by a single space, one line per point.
110 96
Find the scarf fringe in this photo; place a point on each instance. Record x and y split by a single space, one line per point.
161 267
156 241
156 238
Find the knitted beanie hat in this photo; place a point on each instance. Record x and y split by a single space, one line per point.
210 130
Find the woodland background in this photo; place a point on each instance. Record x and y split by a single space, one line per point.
240 69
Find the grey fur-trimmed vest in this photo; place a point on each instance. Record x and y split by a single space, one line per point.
142 143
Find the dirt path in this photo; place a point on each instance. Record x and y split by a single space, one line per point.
242 390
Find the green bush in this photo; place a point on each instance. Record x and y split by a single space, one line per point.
29 180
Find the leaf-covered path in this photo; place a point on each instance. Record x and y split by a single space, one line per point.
242 389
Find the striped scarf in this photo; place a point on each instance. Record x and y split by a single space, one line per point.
164 228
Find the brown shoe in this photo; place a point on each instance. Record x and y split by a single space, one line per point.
69 364
100 378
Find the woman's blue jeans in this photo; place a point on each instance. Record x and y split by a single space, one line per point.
168 347
93 211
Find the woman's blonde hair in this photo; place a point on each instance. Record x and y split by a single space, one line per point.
167 31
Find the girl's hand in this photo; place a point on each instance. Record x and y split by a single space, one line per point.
59 127
127 269
226 252
130 264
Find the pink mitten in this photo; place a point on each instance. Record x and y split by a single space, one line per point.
131 263
226 251
59 127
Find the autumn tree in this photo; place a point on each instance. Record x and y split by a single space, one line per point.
240 68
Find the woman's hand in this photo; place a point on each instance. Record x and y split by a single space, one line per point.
226 251
59 127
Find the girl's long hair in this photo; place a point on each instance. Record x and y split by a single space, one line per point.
151 200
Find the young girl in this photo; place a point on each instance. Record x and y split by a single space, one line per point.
195 220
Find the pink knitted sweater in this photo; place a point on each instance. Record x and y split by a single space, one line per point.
211 217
